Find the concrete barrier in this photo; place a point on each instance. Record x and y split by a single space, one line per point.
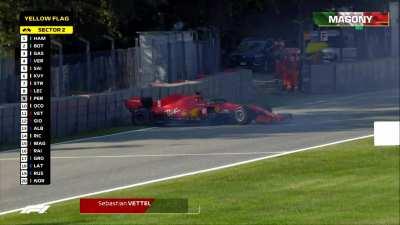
352 77
82 113
74 114
322 79
10 122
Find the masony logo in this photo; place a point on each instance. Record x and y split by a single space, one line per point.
350 19
35 209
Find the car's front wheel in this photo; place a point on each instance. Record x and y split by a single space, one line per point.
242 116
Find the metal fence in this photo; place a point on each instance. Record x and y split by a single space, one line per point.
8 81
172 56
157 56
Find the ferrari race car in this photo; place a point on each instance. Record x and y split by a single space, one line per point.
194 108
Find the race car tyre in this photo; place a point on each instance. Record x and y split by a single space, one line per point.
142 117
242 116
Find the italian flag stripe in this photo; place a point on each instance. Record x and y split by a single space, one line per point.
351 19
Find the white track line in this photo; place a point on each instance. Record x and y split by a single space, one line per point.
153 155
103 136
192 173
90 138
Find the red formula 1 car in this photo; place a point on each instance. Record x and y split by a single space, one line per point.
194 108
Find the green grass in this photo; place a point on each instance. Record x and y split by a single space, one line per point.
350 183
84 134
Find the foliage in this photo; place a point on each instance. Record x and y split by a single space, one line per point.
122 19
91 17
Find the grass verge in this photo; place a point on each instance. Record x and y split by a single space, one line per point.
350 183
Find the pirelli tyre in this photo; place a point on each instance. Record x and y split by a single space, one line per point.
142 117
242 116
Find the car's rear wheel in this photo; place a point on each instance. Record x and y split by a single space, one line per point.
142 117
242 116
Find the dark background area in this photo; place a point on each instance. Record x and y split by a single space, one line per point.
121 19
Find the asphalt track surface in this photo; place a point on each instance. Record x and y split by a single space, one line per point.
86 166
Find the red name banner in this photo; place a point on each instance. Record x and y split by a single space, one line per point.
115 205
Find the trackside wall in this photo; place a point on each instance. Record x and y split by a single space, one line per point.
352 77
74 114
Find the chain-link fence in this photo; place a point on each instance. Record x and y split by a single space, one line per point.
157 56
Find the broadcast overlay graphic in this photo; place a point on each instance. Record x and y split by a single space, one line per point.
35 28
350 19
132 205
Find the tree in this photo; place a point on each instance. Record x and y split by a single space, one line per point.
9 11
91 18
